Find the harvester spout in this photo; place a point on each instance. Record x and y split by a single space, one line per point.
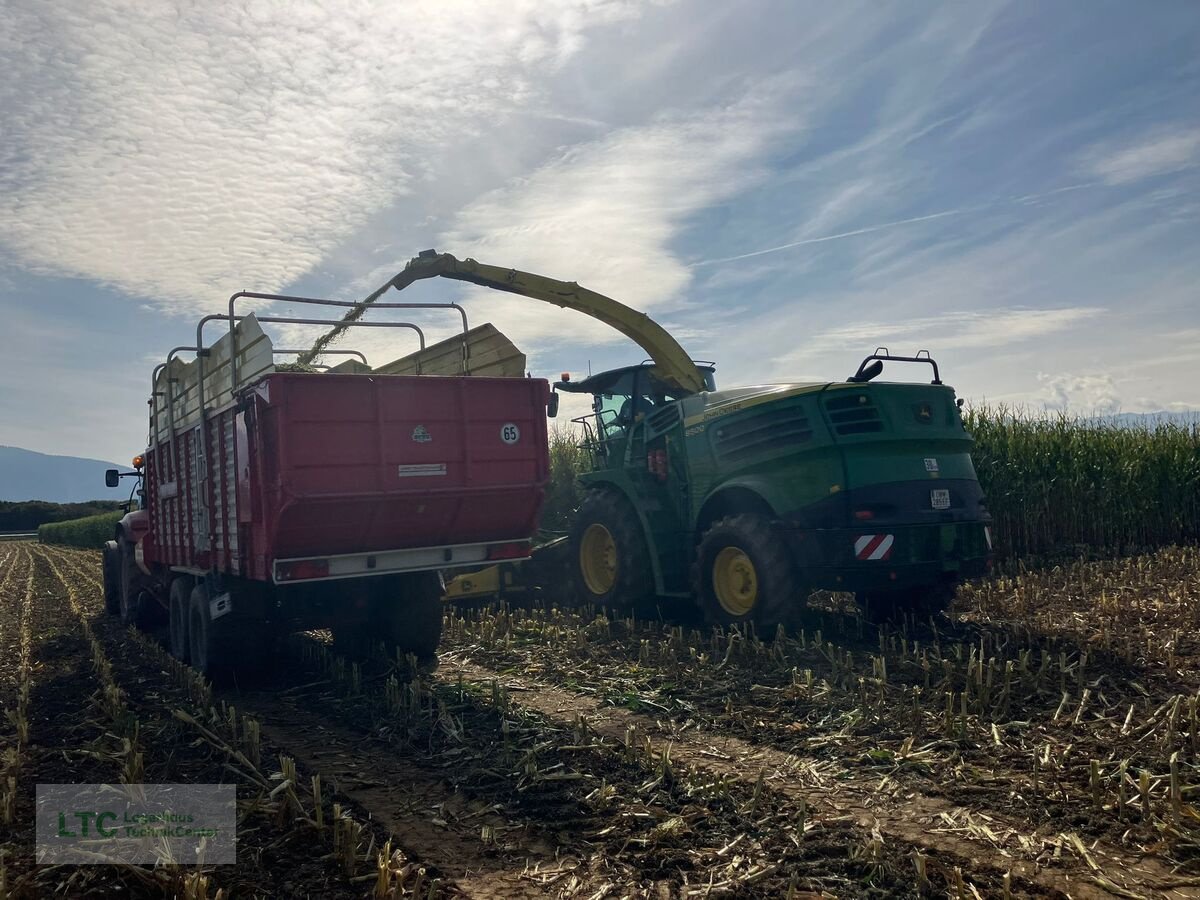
675 367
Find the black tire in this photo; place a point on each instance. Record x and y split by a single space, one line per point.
111 562
404 614
744 573
180 599
919 603
207 648
610 562
414 623
132 609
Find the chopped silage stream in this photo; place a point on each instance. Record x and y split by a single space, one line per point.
561 754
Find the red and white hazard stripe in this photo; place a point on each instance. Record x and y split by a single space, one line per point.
874 546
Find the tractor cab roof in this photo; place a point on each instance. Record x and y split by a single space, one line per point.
621 381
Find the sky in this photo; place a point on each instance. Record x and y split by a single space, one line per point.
783 185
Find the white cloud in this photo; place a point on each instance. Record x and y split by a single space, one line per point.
605 213
182 152
1156 154
1085 394
964 330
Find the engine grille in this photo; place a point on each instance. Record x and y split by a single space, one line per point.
763 432
853 414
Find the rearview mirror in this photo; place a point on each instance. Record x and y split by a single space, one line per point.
112 478
552 405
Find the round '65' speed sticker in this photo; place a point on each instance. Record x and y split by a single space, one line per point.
510 433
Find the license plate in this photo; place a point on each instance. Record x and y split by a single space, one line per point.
939 498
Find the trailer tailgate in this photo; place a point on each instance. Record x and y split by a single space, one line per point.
353 463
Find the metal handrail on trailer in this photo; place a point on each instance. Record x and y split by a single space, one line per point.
344 304
201 526
276 351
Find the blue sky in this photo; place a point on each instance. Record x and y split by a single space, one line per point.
785 186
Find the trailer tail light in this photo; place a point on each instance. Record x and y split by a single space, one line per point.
656 464
303 570
511 550
864 515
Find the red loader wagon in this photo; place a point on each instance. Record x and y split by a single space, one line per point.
278 500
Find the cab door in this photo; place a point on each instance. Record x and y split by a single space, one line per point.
656 470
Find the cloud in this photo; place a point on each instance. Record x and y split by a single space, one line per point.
1090 393
183 152
605 213
971 329
1162 152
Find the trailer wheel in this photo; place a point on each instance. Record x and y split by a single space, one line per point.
414 623
111 562
206 644
921 602
611 560
744 573
180 601
133 610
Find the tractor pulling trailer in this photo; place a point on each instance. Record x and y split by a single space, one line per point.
276 500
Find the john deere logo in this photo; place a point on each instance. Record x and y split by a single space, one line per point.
421 436
924 413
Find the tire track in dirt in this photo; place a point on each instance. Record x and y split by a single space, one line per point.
65 746
915 818
434 822
278 857
397 795
775 836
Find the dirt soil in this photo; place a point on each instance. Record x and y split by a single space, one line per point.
1041 741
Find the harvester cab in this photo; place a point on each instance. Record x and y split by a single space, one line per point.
623 399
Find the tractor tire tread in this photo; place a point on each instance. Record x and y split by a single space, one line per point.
759 536
635 574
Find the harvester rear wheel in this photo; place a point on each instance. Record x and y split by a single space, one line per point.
611 560
744 573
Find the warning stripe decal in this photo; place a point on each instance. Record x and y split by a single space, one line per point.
873 546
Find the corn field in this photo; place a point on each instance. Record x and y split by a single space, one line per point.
1058 486
88 532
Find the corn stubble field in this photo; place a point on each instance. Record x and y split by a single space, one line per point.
1043 741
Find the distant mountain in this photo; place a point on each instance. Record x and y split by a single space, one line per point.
26 475
1186 419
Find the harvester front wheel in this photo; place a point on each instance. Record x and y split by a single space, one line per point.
744 573
612 562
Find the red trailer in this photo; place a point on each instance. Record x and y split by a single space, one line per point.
278 500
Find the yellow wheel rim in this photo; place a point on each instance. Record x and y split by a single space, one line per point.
735 581
598 559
